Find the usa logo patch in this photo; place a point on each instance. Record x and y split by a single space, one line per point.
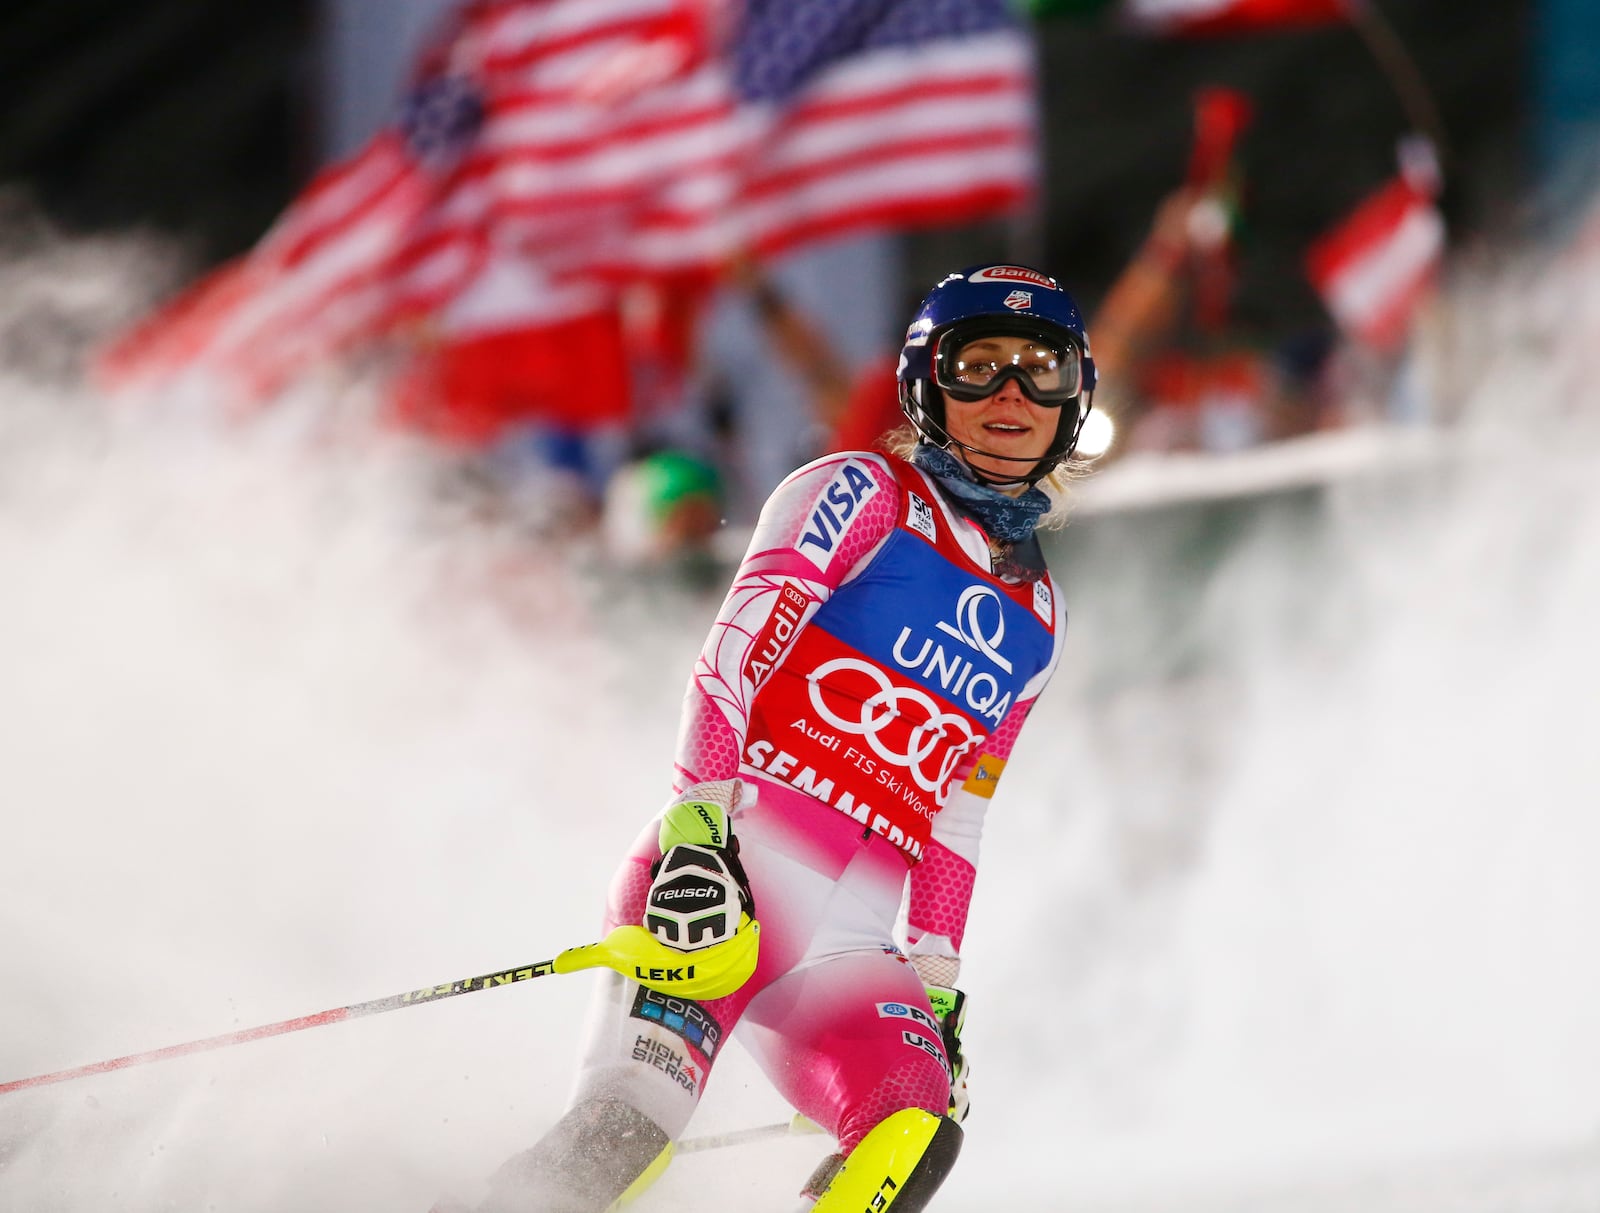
1019 301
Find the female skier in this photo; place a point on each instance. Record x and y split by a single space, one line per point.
844 729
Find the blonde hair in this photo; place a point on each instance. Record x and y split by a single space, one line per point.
1057 485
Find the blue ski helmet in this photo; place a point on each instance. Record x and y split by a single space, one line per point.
990 300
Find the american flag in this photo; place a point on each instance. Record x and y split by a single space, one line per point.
603 140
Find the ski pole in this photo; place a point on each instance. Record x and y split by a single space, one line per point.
796 1126
630 950
376 1006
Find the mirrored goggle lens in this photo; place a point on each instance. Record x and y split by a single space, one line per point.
1052 371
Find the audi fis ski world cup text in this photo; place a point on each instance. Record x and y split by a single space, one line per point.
761 756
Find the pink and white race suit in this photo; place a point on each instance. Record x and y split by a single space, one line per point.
866 679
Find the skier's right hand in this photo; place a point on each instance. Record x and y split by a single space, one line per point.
699 895
700 816
950 1009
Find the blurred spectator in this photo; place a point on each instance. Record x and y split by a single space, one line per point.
871 410
662 318
1144 303
663 511
850 409
540 403
1300 388
545 409
1191 402
787 360
1174 382
853 409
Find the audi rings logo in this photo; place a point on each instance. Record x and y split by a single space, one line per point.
969 627
902 725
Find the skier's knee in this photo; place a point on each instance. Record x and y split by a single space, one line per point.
898 1165
598 1156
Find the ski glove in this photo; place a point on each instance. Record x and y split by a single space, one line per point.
699 894
701 821
950 1009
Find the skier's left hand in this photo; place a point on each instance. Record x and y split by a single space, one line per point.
950 1009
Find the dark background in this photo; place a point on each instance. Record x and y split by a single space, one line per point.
1327 122
198 117
191 116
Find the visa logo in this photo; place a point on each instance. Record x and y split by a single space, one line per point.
832 511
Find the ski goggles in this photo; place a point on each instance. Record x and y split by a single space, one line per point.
971 364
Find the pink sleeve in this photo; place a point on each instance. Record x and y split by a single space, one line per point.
941 896
816 530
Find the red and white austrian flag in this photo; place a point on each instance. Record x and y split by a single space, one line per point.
1375 267
1229 16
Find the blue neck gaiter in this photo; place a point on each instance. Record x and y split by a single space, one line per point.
1008 519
